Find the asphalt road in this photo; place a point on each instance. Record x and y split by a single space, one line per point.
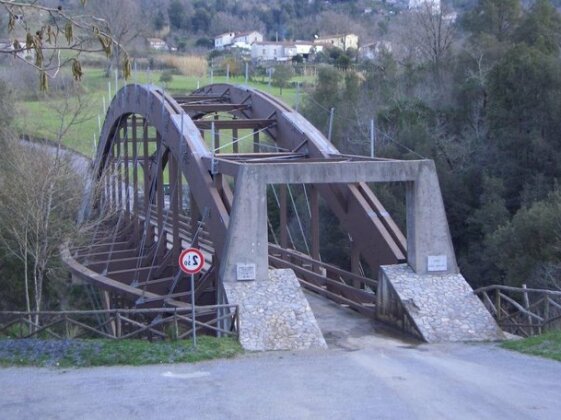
364 375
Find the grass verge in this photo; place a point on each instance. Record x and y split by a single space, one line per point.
546 345
88 353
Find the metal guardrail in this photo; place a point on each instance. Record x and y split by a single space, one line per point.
521 310
118 324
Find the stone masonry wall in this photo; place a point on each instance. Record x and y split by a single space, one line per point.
436 308
274 313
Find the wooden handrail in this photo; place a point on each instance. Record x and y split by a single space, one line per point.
516 289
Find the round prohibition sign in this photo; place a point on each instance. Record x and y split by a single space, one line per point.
191 261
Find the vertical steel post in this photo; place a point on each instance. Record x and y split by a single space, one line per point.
283 218
329 132
235 140
126 164
372 137
256 146
314 221
193 310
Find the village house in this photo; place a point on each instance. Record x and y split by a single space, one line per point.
283 51
273 51
242 40
307 48
224 40
372 50
433 6
157 44
339 41
245 40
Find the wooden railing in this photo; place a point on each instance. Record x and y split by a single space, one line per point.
341 286
523 311
117 324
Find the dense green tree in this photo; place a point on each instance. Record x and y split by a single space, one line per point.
176 13
532 238
524 106
159 20
200 21
541 28
281 76
496 17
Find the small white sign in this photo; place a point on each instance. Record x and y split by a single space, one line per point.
437 263
246 271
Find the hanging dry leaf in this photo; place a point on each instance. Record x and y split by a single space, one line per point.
38 56
29 42
126 67
11 22
77 70
105 42
43 81
69 32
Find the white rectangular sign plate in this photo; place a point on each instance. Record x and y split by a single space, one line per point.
437 263
245 271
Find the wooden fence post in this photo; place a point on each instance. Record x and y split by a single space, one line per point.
527 307
66 329
546 311
498 304
175 326
118 330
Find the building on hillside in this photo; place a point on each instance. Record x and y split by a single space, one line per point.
245 40
433 6
242 40
372 50
273 51
340 41
307 48
224 40
157 44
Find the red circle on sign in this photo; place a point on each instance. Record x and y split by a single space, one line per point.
191 261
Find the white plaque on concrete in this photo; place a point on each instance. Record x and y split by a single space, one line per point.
437 263
245 271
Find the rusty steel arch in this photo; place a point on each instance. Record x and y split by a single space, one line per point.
167 134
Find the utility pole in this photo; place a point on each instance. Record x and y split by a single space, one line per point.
297 104
331 114
372 137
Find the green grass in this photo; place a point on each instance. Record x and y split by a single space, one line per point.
40 118
546 345
88 353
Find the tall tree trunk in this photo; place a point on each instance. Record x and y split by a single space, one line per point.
26 275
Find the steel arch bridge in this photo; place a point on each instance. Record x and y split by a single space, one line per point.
177 172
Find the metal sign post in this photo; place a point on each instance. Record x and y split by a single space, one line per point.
193 310
191 261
